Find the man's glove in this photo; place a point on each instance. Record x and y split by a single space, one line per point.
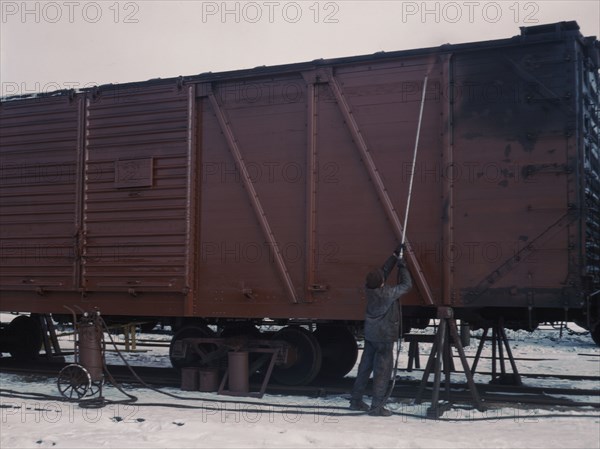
399 249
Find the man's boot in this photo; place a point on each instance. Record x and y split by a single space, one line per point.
378 409
358 404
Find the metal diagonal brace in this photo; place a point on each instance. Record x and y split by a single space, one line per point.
530 78
382 193
507 266
254 200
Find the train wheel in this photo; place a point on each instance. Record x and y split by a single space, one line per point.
339 349
304 362
181 358
25 337
74 381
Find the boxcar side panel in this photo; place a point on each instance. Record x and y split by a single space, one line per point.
515 191
385 98
350 232
272 192
136 191
238 272
39 194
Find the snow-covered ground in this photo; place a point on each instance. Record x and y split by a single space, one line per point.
209 420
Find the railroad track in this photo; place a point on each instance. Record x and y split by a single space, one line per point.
404 389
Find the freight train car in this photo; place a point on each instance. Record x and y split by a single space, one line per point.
231 198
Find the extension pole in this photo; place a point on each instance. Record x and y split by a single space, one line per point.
412 176
414 162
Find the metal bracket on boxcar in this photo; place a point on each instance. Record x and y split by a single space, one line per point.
318 288
249 293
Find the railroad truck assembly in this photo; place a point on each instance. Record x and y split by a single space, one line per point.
227 200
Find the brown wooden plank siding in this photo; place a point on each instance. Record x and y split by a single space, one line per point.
136 191
39 182
251 194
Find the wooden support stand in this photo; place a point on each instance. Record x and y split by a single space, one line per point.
129 332
446 337
413 341
499 344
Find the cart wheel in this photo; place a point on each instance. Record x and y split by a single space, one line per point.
95 388
74 381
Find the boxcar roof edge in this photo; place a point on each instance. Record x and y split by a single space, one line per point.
534 34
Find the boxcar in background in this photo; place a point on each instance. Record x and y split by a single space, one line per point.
270 192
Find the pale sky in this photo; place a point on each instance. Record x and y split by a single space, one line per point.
49 45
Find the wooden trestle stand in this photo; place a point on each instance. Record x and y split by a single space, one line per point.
441 354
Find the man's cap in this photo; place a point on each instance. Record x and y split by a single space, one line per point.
374 279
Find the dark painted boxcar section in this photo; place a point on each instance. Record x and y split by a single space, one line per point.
515 146
271 192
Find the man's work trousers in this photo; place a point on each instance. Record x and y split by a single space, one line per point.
377 357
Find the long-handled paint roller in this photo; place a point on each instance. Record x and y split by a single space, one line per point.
412 169
410 186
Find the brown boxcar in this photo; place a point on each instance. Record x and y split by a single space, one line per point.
270 192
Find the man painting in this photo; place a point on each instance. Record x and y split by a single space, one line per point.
382 323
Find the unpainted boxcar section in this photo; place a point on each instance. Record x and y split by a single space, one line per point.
271 192
39 182
316 193
95 201
137 191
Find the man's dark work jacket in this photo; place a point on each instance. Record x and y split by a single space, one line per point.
382 318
